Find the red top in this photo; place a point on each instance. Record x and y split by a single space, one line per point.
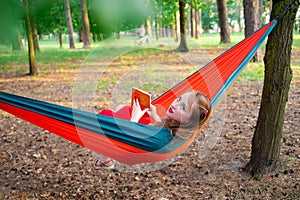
125 113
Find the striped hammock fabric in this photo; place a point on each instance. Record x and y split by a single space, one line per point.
129 142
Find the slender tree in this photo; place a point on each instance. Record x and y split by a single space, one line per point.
198 23
183 44
32 64
69 23
223 21
251 11
176 25
35 34
85 25
192 19
32 10
278 74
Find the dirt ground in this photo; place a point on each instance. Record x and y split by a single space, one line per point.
36 164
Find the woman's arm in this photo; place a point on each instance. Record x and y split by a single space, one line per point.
137 112
153 114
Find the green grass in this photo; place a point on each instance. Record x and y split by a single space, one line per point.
252 72
296 41
51 57
213 40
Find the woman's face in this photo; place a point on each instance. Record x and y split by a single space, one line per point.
180 109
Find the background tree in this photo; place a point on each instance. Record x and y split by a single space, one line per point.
197 20
278 74
33 7
85 25
192 19
223 21
31 55
183 44
208 15
251 13
69 23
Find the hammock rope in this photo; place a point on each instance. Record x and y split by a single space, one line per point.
129 142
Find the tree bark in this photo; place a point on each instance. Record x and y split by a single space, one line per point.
251 12
32 64
60 39
223 21
183 44
80 35
69 24
156 28
192 20
148 28
198 24
177 26
278 74
35 36
33 26
85 25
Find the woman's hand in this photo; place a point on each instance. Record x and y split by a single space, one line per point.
153 114
137 112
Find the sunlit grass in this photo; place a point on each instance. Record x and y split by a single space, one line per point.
296 41
252 72
52 57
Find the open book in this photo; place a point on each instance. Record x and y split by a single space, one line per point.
143 97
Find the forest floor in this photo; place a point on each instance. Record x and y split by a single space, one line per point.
36 164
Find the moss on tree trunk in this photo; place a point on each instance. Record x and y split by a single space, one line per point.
278 76
32 64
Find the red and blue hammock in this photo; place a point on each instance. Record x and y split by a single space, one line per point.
129 142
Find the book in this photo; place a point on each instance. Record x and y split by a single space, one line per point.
143 97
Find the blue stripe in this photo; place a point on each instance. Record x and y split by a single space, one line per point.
149 138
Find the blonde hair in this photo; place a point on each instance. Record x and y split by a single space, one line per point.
199 116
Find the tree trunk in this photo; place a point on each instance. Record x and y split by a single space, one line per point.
299 26
278 74
223 21
80 35
175 36
192 19
85 25
251 21
33 27
34 34
60 34
148 28
32 64
198 24
35 37
69 24
183 44
177 25
260 13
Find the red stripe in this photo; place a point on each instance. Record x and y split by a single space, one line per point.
212 77
99 143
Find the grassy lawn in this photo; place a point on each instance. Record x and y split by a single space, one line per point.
51 57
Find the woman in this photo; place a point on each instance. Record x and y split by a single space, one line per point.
183 117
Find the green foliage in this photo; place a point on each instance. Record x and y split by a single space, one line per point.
209 15
11 13
165 11
117 15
